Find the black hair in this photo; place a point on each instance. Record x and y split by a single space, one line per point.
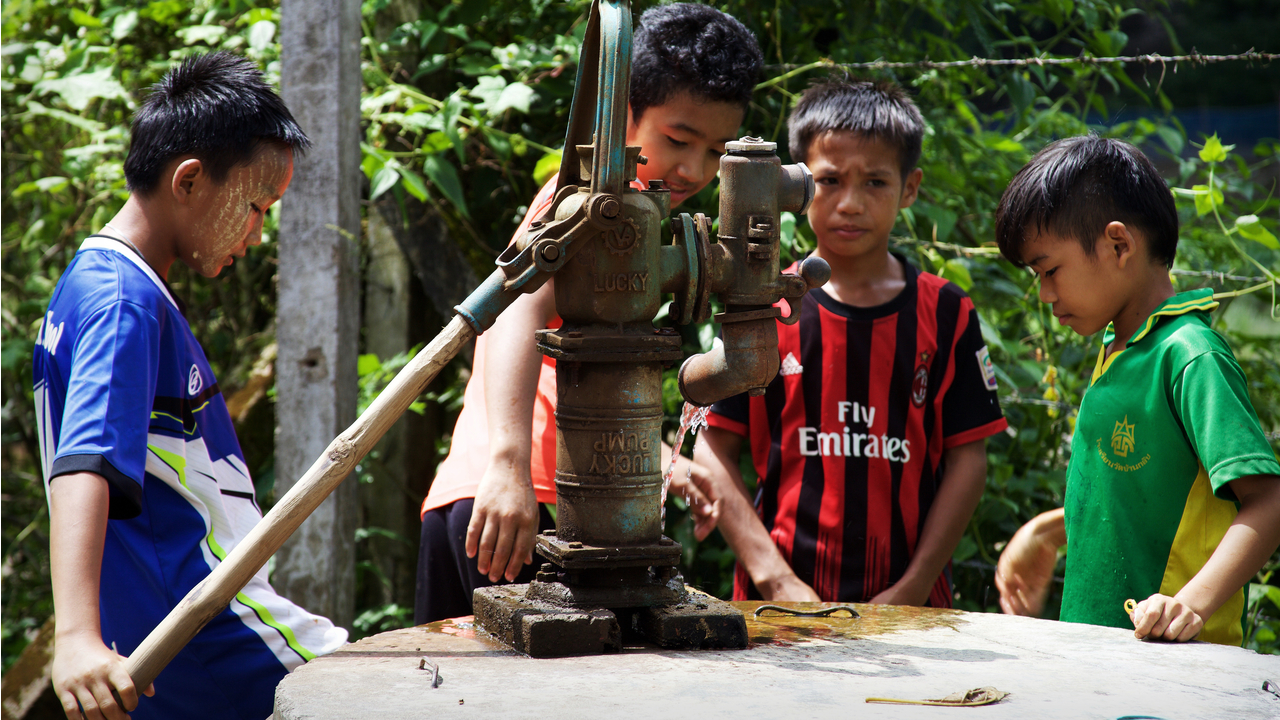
878 110
1075 186
216 107
684 47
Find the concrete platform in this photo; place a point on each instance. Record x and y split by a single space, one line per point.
795 668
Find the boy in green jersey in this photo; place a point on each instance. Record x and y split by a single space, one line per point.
1172 495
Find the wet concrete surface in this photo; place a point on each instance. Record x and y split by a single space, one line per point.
795 667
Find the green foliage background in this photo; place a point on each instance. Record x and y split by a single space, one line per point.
464 104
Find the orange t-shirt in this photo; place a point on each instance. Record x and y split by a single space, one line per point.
459 475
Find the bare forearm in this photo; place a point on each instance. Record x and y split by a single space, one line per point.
958 496
78 506
1246 546
512 365
750 541
739 523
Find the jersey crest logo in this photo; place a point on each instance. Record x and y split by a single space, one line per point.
1122 438
195 383
790 366
988 370
920 386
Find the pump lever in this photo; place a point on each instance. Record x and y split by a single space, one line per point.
814 272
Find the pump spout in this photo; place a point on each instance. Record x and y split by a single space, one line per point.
746 361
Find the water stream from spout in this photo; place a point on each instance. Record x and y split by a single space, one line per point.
692 418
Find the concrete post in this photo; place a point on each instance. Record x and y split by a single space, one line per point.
318 311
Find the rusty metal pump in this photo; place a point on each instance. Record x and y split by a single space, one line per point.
609 570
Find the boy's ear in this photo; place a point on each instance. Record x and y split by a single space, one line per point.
186 176
911 188
1120 243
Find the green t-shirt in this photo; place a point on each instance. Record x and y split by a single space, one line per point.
1164 426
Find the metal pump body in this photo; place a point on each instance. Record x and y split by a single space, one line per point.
609 570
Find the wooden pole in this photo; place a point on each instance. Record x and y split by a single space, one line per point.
215 592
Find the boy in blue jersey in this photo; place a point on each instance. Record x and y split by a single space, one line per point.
148 490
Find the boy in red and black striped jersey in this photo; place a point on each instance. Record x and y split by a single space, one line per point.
870 442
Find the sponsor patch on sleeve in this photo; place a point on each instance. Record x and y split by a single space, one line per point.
988 370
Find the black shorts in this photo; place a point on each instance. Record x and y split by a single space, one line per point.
446 576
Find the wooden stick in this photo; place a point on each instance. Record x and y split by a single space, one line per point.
215 592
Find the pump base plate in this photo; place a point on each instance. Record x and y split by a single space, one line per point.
540 629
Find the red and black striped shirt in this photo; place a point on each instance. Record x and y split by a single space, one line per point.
848 440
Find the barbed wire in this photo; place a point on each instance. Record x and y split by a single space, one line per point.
1149 59
1021 400
1221 277
1218 275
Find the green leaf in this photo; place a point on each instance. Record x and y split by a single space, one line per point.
371 105
1021 92
207 34
547 166
1206 201
124 24
443 175
519 145
434 143
1008 145
366 364
966 549
787 230
488 89
260 34
1214 150
1250 227
500 144
944 221
413 184
383 180
84 19
372 162
85 151
51 184
452 111
77 90
83 123
1173 139
419 121
956 272
516 96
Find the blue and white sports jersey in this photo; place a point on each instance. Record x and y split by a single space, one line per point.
123 389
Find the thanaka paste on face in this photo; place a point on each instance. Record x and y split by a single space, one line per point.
229 224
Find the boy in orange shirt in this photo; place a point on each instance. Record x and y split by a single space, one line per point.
693 71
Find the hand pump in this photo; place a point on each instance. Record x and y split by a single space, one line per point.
610 572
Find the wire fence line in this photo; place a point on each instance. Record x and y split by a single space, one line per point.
1149 59
1220 276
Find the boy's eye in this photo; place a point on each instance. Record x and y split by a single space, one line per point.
1049 273
828 181
676 142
